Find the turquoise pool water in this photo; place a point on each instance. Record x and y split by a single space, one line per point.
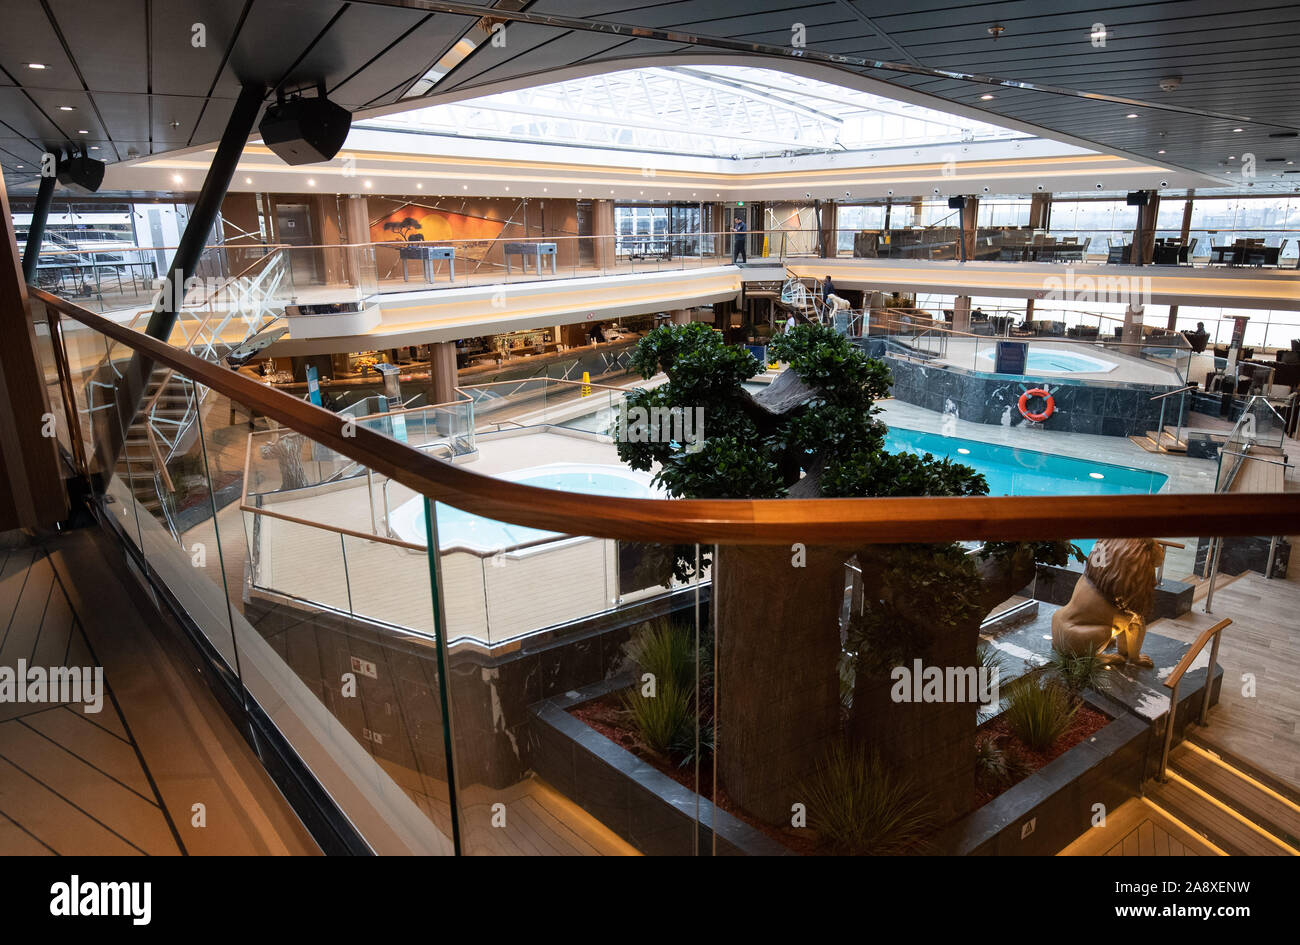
1012 471
1047 361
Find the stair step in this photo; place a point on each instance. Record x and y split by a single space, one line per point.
1257 802
1209 818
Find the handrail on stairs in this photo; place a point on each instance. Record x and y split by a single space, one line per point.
1174 678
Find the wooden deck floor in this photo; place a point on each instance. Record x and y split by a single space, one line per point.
1261 647
1139 829
123 780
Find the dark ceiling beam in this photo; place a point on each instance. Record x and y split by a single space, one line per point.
783 52
847 5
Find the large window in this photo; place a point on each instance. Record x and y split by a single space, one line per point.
1220 221
657 229
1104 221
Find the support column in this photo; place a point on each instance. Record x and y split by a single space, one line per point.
602 232
681 316
1040 212
826 229
961 313
31 483
356 218
442 371
1172 323
36 232
969 231
1144 235
1132 332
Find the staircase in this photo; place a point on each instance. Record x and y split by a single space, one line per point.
165 424
1241 811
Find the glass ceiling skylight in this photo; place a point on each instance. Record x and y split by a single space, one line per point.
704 111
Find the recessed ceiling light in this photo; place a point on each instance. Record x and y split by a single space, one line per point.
1232 157
19 166
419 187
369 184
311 182
94 147
35 65
176 178
985 97
248 180
1236 129
67 108
1161 151
464 186
543 190
1096 475
1131 115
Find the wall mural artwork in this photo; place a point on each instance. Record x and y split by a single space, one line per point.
413 222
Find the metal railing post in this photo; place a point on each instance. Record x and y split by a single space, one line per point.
1209 679
1169 734
1272 554
1216 549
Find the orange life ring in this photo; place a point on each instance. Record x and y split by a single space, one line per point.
1049 404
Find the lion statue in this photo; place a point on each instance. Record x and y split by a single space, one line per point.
1110 602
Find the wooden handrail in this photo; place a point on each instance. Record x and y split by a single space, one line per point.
1194 651
726 521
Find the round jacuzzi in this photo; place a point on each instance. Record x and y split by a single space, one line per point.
461 529
1049 360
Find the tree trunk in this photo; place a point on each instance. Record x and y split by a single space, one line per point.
777 676
933 743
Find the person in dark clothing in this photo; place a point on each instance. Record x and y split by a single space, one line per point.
738 254
828 288
596 333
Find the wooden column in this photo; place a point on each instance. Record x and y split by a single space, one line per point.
602 232
1144 235
442 371
969 232
356 218
1132 332
961 313
1040 212
31 482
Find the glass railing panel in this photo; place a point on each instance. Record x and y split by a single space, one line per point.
577 705
333 622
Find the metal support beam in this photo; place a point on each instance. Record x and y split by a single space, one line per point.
36 232
238 127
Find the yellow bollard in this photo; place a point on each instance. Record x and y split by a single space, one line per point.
586 384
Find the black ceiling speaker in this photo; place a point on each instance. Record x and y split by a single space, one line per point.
80 172
1137 198
305 130
956 203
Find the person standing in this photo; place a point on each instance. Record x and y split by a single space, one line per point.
828 288
738 253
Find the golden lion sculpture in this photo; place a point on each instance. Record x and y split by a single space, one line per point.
1110 602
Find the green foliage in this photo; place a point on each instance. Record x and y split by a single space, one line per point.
1038 713
1077 673
991 658
861 807
995 766
826 360
666 650
1056 553
725 467
900 474
665 721
915 593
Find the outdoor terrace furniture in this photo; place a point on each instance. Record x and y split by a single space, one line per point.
1197 339
535 250
1118 255
427 255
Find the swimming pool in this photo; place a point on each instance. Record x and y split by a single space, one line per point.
1013 471
458 528
1008 470
1040 360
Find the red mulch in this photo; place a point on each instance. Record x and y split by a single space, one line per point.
605 715
1087 722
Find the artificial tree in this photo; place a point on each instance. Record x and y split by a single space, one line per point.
793 674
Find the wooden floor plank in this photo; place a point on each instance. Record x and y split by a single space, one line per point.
54 821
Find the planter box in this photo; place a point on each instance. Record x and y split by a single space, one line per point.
642 805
